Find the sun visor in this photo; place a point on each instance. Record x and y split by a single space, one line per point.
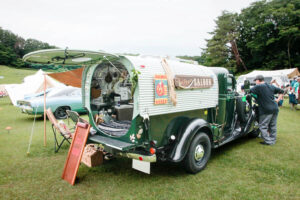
66 57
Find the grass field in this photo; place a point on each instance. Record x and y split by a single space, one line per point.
12 75
243 169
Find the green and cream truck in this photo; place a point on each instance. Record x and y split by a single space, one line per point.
153 109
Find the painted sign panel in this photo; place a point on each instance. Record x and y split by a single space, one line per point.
193 82
161 89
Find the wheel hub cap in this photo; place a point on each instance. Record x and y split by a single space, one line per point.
199 152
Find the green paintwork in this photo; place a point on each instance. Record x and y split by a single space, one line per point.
226 107
221 110
159 124
230 104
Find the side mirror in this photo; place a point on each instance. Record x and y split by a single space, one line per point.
247 86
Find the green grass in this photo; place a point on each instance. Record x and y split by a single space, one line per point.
243 169
12 75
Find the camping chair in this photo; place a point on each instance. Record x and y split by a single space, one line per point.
59 128
75 117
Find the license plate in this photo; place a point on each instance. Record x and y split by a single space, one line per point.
141 166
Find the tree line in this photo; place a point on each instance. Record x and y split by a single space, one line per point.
14 47
265 35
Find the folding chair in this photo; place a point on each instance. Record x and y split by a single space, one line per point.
75 117
59 128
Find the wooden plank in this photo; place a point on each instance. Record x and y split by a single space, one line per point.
75 152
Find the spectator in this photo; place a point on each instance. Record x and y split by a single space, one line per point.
292 96
267 109
296 90
294 81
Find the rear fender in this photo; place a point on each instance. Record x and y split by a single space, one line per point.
186 136
175 128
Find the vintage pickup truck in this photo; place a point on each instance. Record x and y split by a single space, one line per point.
151 108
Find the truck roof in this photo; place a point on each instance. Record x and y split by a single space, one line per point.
219 70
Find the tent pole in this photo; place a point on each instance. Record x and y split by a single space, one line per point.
45 84
32 130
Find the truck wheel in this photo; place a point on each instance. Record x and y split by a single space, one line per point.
241 110
60 112
198 153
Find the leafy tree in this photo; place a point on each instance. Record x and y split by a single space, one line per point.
33 45
222 49
14 47
269 34
264 35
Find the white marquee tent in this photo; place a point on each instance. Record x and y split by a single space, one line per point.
281 76
32 84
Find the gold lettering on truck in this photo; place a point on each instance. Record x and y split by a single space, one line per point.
193 82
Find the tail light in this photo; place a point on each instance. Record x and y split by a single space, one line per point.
152 150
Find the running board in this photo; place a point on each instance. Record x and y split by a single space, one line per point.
112 143
235 134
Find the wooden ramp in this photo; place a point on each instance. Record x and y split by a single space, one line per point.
75 152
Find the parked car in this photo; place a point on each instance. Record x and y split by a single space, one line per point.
149 109
58 99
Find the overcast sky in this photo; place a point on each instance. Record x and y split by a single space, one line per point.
156 27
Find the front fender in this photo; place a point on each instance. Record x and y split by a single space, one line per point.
185 138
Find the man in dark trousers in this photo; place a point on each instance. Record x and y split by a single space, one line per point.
267 109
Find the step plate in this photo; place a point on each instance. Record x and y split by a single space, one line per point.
113 143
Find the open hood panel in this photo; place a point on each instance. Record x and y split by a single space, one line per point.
65 57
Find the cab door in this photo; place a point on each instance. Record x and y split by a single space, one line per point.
230 104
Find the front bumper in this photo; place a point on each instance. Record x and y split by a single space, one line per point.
26 109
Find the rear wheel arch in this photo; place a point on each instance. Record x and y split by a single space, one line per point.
175 128
193 128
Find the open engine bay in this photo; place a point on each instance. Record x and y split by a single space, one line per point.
111 98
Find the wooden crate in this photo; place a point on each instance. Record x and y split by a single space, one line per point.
92 156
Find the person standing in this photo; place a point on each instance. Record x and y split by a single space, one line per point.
267 109
296 90
292 97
